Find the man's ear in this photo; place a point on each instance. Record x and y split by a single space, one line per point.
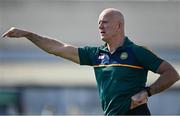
119 25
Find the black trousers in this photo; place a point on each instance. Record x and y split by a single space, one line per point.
140 110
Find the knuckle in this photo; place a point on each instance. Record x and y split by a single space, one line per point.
12 28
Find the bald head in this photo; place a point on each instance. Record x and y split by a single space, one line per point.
111 25
113 13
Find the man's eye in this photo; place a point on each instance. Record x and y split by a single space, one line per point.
105 22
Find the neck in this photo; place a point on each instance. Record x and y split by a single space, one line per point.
115 43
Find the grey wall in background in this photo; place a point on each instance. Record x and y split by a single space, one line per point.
75 22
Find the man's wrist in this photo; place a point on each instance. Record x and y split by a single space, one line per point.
147 89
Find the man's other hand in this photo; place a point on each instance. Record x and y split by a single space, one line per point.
139 99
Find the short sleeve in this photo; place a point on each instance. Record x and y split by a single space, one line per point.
147 58
86 55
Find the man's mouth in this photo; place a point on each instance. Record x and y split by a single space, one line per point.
102 32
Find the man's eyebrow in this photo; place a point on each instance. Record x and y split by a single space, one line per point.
104 21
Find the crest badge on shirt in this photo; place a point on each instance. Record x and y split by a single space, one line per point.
123 55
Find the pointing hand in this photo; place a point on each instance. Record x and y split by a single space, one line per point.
14 32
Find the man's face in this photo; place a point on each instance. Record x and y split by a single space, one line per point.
108 27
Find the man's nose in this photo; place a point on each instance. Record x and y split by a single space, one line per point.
101 26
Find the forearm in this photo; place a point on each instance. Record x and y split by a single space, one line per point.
167 78
46 44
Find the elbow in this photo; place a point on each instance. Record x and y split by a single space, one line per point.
178 78
172 75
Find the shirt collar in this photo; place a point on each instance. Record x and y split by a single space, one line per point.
126 43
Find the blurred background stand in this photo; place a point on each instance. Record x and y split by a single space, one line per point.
10 101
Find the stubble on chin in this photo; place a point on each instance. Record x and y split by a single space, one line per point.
103 39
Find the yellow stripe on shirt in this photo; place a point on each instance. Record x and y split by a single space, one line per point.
123 65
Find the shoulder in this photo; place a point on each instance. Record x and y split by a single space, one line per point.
138 49
86 54
147 58
89 48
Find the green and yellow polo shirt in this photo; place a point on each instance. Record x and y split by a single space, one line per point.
119 75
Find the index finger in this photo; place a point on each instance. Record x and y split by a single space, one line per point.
4 35
7 32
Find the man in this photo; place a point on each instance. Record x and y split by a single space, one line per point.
120 65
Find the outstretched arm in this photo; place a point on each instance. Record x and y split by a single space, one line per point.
49 45
168 76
